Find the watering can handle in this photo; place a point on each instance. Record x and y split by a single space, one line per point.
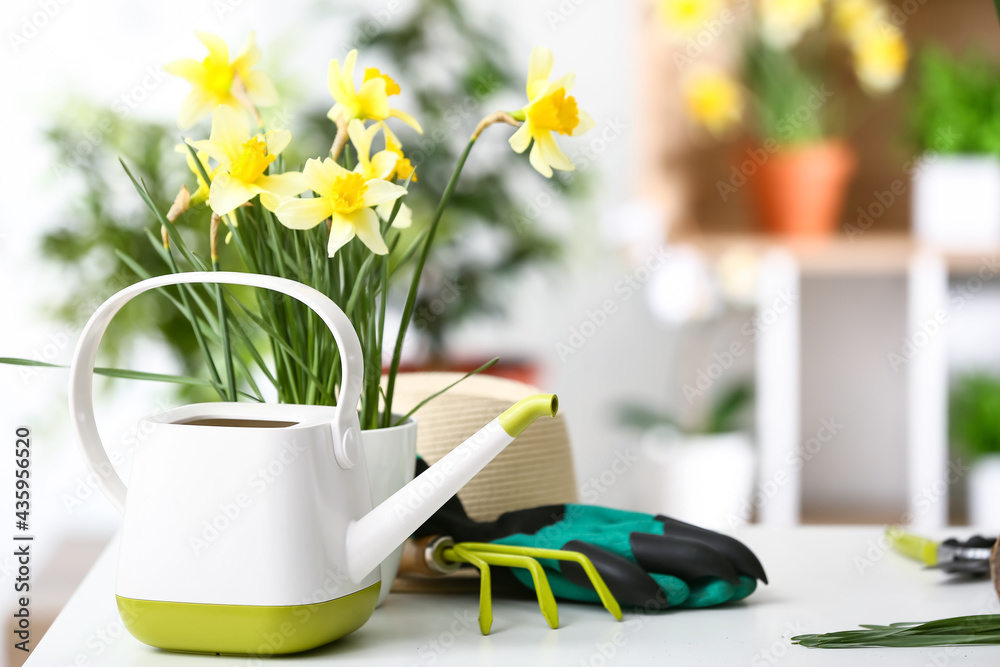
346 427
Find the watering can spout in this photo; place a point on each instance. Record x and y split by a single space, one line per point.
373 537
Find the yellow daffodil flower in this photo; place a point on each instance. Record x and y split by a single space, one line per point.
347 198
880 56
201 192
713 100
404 169
687 17
215 80
783 22
243 159
853 17
379 166
550 109
370 102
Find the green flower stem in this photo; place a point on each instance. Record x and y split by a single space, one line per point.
411 296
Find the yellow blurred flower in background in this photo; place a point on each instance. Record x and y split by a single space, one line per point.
381 166
880 56
783 22
550 109
243 161
370 101
217 81
686 17
346 197
853 17
713 99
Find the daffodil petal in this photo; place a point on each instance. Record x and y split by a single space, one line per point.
383 163
218 52
333 81
230 131
320 174
538 162
303 213
227 193
565 82
195 106
360 138
552 154
520 140
338 112
213 150
404 216
288 184
188 69
372 98
585 124
366 226
539 68
260 88
341 232
379 192
347 72
407 118
277 140
250 54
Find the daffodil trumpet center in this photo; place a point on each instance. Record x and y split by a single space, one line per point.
252 161
391 87
556 112
218 78
348 193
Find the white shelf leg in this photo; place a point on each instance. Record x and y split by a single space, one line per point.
926 349
778 382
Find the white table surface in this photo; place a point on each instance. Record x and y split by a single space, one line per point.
822 579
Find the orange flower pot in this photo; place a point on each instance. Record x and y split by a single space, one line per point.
800 191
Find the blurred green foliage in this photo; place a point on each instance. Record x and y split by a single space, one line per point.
728 412
974 415
956 104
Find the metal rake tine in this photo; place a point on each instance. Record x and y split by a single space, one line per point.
546 600
601 588
457 553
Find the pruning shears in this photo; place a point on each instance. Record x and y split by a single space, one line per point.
969 557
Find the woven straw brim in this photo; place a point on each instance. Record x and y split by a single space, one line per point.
536 469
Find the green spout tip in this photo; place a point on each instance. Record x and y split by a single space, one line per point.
522 414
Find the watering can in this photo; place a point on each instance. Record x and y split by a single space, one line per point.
249 527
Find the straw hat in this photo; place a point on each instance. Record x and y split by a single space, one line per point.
536 469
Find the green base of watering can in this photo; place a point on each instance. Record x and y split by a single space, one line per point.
228 629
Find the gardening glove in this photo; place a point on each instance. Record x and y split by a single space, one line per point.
651 562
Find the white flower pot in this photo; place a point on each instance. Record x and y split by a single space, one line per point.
702 479
391 456
984 493
956 200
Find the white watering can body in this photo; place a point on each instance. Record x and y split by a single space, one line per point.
249 527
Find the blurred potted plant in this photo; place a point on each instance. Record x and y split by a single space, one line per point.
974 426
797 160
956 186
700 472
